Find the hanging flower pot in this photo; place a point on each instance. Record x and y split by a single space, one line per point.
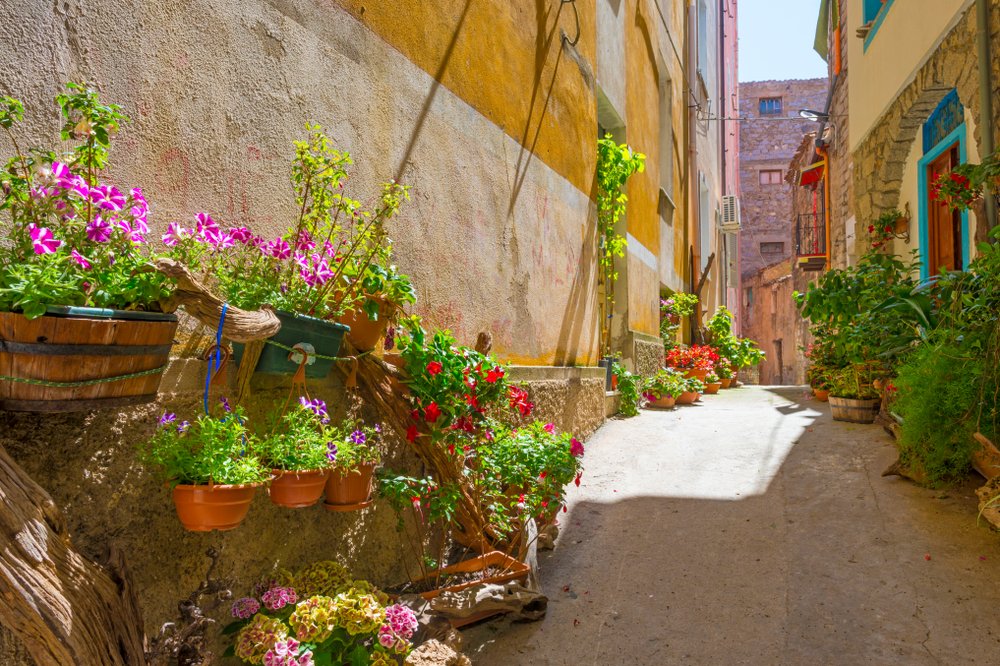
351 489
297 489
688 398
320 338
364 333
204 508
854 411
77 359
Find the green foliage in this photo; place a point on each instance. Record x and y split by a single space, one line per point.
356 445
629 394
210 450
672 310
298 440
740 352
668 382
615 165
854 381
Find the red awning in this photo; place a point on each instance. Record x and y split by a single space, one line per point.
813 174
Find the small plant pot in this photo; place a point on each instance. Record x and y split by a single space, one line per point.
712 389
854 411
316 335
821 394
696 373
687 398
726 383
204 508
366 334
349 491
297 489
666 402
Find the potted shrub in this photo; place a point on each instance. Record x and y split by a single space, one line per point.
628 386
321 615
300 450
80 306
663 388
673 309
712 383
724 370
210 467
302 272
383 293
695 361
890 225
693 388
853 398
355 457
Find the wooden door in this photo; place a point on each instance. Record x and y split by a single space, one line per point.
944 226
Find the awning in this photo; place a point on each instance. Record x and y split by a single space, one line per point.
813 174
823 23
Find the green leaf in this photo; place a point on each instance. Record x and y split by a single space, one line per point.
359 657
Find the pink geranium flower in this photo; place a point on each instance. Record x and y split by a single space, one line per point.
42 240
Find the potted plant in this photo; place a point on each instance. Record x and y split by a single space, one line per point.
355 457
712 383
890 225
853 398
321 615
75 276
724 369
693 388
302 272
629 386
210 467
383 293
300 450
663 388
695 361
673 309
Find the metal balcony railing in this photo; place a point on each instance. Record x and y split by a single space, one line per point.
810 235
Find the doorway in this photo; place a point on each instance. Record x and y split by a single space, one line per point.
944 225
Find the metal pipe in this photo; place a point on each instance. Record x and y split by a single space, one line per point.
986 99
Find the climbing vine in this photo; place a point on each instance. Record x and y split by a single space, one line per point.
615 165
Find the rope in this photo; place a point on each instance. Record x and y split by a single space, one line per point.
217 361
299 350
83 382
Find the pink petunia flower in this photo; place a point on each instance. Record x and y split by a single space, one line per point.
42 240
107 197
175 234
99 230
80 259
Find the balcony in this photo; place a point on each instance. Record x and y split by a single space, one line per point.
810 242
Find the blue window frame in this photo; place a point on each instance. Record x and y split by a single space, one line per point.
875 11
958 134
770 106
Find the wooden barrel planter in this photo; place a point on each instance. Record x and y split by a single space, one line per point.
854 411
317 336
78 359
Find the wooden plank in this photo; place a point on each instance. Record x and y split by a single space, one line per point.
986 460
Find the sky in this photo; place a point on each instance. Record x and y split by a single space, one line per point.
776 38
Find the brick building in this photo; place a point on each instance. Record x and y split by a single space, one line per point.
770 133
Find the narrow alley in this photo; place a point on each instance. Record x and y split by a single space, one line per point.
751 528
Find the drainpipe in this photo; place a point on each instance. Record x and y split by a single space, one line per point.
693 193
986 98
825 154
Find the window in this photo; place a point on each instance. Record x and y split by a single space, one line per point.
772 248
703 41
872 8
770 106
770 177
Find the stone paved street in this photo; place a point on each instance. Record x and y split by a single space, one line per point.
752 529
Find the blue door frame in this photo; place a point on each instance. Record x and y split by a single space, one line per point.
923 187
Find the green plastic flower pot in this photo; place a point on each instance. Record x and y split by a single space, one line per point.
317 336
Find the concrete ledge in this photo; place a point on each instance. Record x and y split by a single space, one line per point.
536 373
612 403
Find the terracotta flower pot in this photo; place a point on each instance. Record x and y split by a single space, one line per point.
347 491
687 398
726 383
366 334
666 402
204 508
821 394
712 389
297 489
696 373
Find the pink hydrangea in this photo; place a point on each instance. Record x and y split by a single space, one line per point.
401 619
245 607
286 653
278 597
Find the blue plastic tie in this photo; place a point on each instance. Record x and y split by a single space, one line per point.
217 359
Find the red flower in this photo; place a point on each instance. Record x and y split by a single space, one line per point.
888 229
471 400
519 400
431 412
577 480
415 415
411 434
575 447
434 367
871 228
494 375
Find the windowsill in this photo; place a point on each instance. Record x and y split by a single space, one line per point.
877 22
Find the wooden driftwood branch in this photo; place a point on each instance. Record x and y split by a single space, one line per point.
199 302
65 609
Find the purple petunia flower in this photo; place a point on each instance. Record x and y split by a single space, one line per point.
167 418
183 426
331 451
278 248
358 437
241 235
175 234
99 230
225 404
42 240
107 197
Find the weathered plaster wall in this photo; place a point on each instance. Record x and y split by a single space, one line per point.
774 322
504 168
766 143
841 164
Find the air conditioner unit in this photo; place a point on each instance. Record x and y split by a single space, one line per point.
730 214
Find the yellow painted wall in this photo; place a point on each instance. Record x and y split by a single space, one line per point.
531 89
911 29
